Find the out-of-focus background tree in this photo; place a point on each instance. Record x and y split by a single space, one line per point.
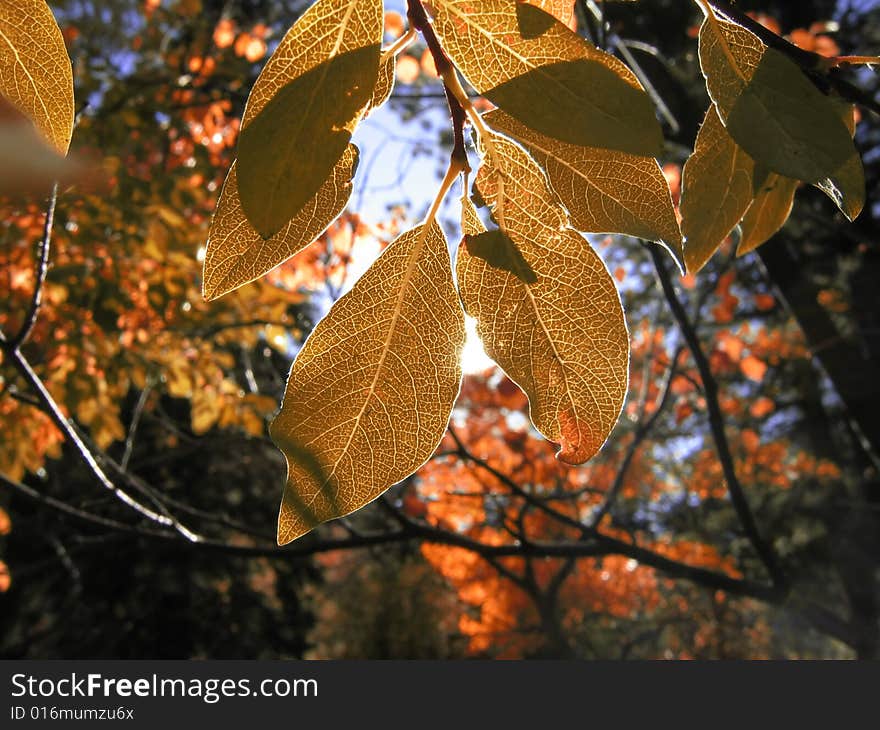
660 547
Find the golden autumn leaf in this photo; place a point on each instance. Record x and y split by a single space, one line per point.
35 71
236 254
546 76
498 250
717 189
304 106
561 337
371 391
384 84
562 10
767 213
604 191
769 106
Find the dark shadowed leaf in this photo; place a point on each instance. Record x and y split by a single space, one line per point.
769 106
289 150
547 76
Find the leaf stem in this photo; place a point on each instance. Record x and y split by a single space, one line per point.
456 98
452 172
400 45
838 61
716 423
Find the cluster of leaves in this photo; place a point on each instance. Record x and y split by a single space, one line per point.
123 309
124 331
768 130
570 149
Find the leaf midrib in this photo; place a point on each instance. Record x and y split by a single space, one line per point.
500 201
411 266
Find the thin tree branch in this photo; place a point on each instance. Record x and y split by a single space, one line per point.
411 530
418 19
716 423
133 426
42 269
643 430
20 362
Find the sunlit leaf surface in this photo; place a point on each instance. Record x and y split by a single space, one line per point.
603 190
717 189
767 213
561 337
236 254
35 71
384 84
303 107
547 76
562 10
370 393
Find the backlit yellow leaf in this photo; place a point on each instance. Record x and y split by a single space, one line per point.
717 189
562 338
236 254
603 190
769 106
370 393
562 10
767 213
304 106
35 71
547 76
384 84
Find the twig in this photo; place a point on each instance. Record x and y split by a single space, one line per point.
133 426
82 516
419 20
42 269
716 423
54 411
644 428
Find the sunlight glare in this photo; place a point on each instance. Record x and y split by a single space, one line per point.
473 357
